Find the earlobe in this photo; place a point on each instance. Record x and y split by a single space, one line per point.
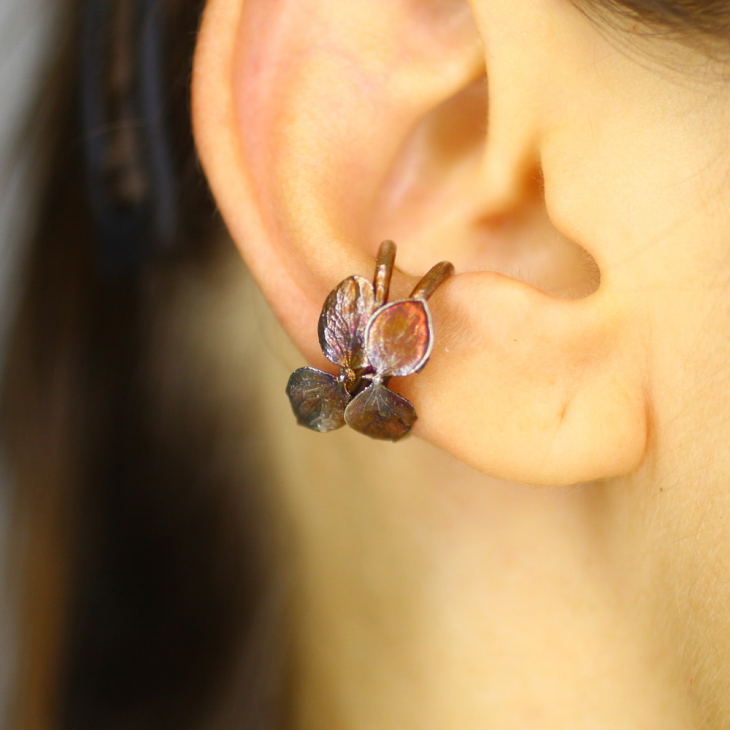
307 118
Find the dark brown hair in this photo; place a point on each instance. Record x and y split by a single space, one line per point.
682 18
139 586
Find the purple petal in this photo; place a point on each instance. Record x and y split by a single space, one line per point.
381 414
342 323
317 399
398 338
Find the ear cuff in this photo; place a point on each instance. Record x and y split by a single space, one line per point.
371 341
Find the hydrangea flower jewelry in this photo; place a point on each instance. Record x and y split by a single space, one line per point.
371 341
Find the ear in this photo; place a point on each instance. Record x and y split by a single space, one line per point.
325 127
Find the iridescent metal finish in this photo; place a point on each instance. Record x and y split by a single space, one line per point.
318 399
433 279
342 323
371 341
383 272
381 414
398 338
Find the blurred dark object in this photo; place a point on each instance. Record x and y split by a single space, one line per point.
125 125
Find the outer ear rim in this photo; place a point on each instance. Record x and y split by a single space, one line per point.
221 154
216 130
212 101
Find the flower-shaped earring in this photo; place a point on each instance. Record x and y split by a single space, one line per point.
371 341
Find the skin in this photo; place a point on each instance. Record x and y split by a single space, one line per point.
576 174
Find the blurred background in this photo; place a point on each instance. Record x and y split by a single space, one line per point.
136 548
26 26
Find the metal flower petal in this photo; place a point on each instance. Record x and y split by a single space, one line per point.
381 414
399 338
317 399
342 322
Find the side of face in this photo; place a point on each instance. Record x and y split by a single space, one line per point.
576 178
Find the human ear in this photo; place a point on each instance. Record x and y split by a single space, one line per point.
324 127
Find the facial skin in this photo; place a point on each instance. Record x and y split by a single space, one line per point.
588 167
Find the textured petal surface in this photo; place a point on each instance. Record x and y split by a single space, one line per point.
381 414
317 399
399 338
342 323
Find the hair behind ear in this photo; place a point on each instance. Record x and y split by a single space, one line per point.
137 536
684 17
